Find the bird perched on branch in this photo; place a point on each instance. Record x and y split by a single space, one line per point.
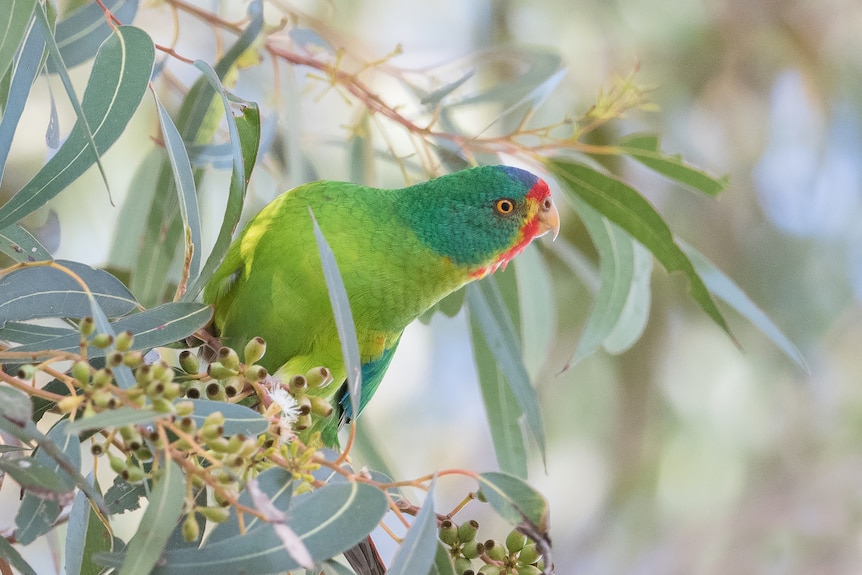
398 252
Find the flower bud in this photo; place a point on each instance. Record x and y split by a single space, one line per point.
102 340
87 326
81 372
254 373
529 570
490 569
191 529
318 377
233 385
124 341
26 371
297 384
117 464
215 514
529 554
463 566
254 350
217 370
467 530
472 549
448 533
195 390
70 403
189 362
215 391
302 422
163 405
184 408
319 406
495 550
515 541
228 358
133 359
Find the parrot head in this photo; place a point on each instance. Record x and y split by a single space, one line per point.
483 217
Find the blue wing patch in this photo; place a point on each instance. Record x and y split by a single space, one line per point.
372 375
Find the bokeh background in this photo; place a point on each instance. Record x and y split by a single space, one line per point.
686 454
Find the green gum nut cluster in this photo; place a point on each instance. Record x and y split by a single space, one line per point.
229 376
517 556
303 388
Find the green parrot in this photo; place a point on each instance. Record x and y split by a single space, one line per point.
398 252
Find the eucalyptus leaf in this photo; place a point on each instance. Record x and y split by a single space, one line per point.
645 149
31 333
24 70
343 317
725 289
46 292
123 496
238 419
490 313
11 555
15 16
118 417
164 510
21 245
635 313
184 182
417 550
80 34
115 88
328 521
85 536
625 207
155 327
501 407
515 500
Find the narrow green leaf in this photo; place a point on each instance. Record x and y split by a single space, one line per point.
34 477
23 72
15 17
21 245
116 85
343 317
38 512
80 34
244 144
155 327
501 407
184 182
162 513
725 289
616 268
11 555
328 521
43 292
624 206
32 333
118 417
635 313
416 552
515 500
85 536
130 225
490 313
645 149
437 95
197 122
442 561
239 419
536 305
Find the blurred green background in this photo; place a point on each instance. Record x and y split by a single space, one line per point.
685 454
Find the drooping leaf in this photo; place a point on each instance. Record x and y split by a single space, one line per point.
616 265
44 292
725 289
184 182
343 317
85 536
645 149
23 72
237 418
26 333
244 145
536 305
416 552
15 17
11 555
625 207
38 511
164 510
115 88
80 34
635 313
490 313
197 122
501 407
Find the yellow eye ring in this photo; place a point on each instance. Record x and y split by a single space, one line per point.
504 206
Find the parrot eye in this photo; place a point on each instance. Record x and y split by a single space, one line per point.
504 207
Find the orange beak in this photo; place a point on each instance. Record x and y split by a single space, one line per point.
549 218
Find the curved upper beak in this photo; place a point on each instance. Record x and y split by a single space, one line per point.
549 218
